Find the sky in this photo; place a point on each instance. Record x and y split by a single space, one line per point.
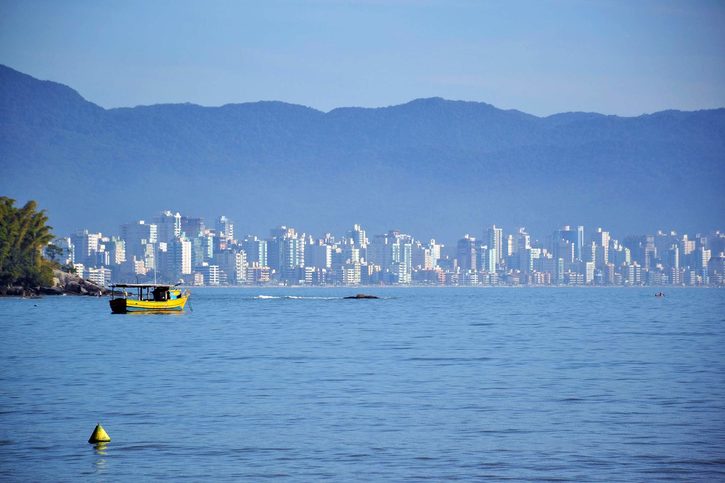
541 57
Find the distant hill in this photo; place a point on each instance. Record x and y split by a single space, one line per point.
431 167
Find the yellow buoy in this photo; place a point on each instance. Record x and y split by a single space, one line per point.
99 435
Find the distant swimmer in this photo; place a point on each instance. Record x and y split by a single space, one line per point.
660 294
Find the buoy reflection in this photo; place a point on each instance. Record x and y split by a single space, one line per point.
100 466
100 449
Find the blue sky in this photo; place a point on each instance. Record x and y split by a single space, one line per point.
542 57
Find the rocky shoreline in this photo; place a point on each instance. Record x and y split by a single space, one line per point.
63 284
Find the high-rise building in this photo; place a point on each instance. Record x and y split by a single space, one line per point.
65 256
257 274
687 245
562 248
179 254
351 254
466 253
256 250
276 249
649 252
575 237
137 236
192 227
702 258
100 276
232 266
601 238
168 226
351 274
380 251
509 246
117 250
393 253
274 253
211 273
240 265
674 257
527 258
198 252
225 228
403 259
422 256
291 253
435 251
523 240
318 255
208 242
358 236
579 242
609 274
589 254
495 241
633 274
286 253
150 255
488 259
558 275
588 272
85 246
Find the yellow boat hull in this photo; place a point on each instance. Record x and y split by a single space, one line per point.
122 306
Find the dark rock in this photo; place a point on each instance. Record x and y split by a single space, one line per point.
12 291
70 283
63 283
362 296
51 291
72 287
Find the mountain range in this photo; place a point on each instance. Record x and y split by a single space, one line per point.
430 167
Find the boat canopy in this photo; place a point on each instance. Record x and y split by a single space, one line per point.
142 285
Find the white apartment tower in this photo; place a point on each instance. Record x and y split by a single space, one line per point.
495 242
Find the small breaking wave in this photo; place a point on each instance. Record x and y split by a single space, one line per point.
292 297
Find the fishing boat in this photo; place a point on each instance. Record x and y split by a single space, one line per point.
147 297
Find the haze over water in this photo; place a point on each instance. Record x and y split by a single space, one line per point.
298 384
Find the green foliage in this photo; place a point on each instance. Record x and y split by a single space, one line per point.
52 252
23 235
69 268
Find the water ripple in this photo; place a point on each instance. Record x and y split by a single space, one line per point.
425 384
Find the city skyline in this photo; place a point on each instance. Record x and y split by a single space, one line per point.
362 240
184 249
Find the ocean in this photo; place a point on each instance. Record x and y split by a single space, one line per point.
298 384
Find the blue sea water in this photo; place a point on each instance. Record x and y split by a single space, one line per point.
298 384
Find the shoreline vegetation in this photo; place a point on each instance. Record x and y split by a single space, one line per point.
24 233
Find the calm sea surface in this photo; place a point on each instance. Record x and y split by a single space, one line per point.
298 384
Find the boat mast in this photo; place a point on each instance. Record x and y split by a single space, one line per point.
155 262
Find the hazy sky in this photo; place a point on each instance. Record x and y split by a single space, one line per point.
542 57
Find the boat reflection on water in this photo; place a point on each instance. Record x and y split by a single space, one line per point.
157 313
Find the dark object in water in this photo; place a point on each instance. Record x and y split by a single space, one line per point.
660 294
362 296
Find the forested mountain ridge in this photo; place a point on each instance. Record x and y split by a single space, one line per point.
431 167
